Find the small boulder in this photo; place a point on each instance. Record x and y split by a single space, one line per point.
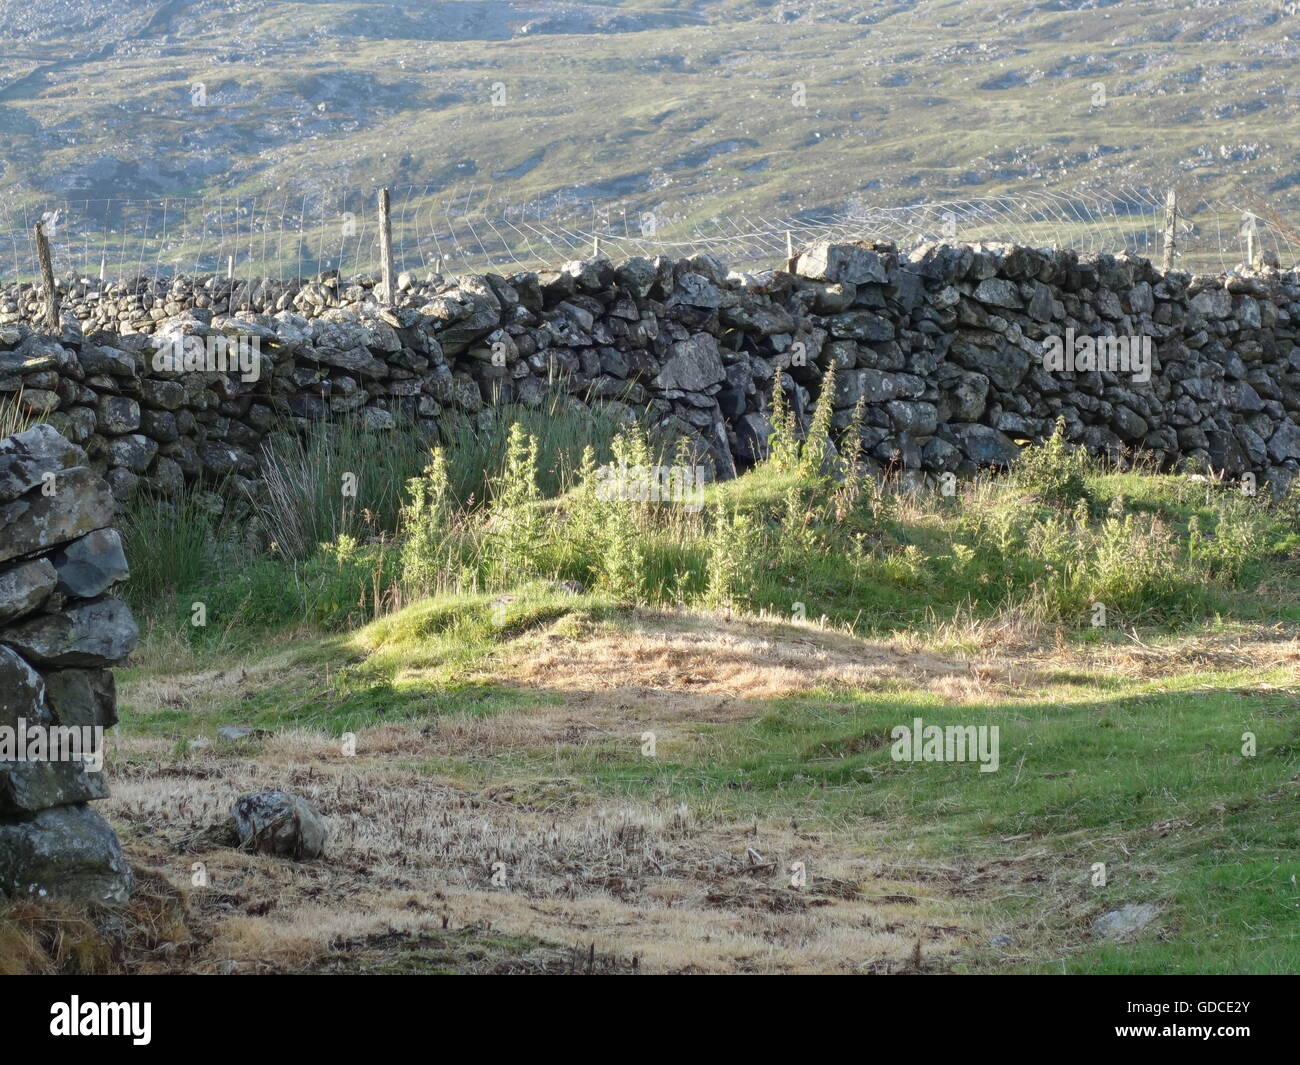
238 732
275 822
1126 920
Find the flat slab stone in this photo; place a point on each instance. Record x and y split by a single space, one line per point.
96 632
80 502
26 457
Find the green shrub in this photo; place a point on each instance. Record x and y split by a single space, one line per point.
734 555
815 455
427 523
1054 471
561 430
516 532
783 445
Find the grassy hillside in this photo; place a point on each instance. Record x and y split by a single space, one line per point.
740 111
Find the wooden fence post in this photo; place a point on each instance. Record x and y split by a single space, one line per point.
1171 230
386 247
47 279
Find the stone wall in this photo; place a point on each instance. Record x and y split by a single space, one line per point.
60 631
944 345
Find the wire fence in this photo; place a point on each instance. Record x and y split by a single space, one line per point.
286 236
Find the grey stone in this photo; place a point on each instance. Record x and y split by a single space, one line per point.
985 446
88 566
1127 424
81 697
376 420
235 732
844 263
134 452
94 632
1125 921
637 275
66 852
862 325
81 502
163 395
695 364
31 786
1285 442
35 354
752 435
275 822
22 691
24 587
998 292
918 419
696 291
100 359
117 414
1212 303
27 457
875 386
123 483
968 397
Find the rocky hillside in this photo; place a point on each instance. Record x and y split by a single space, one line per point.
740 108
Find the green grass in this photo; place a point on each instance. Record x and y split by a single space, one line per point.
424 662
1147 778
1144 775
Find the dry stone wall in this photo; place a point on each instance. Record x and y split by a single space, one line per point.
61 630
957 353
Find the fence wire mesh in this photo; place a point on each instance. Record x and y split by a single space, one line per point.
283 235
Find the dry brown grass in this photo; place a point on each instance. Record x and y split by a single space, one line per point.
409 852
655 887
412 852
58 937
